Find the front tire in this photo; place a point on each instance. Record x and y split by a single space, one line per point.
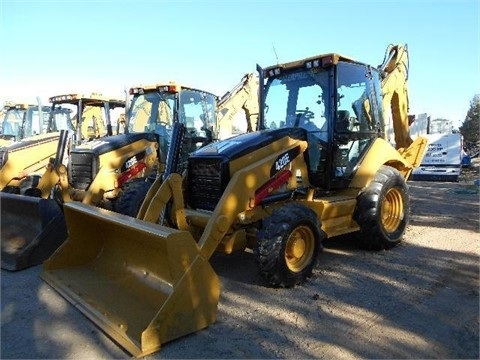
288 244
383 210
132 197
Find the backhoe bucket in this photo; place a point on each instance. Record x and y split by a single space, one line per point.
31 230
141 283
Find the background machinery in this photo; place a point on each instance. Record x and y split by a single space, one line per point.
220 121
25 143
19 120
113 172
39 131
244 96
157 108
32 223
319 166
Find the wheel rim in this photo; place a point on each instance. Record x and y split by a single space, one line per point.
392 211
300 248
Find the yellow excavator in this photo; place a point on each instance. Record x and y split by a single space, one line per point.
318 166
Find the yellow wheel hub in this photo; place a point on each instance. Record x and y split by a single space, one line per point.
392 210
299 248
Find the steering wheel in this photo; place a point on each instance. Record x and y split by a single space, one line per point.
306 114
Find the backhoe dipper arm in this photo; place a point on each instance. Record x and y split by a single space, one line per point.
242 96
394 70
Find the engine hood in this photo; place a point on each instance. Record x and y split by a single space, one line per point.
111 143
33 141
240 145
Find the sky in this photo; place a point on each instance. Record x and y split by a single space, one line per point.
55 47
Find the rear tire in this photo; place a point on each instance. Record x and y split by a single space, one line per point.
11 189
132 197
33 192
288 244
383 210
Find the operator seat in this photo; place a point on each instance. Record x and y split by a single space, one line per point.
343 121
342 127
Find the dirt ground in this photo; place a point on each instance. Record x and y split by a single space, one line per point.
417 300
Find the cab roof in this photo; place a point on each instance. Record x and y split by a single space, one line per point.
93 99
15 105
171 86
323 60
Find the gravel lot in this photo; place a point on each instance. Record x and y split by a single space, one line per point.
417 300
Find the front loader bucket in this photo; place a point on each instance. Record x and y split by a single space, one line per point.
31 230
141 283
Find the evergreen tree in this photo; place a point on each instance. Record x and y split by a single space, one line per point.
470 128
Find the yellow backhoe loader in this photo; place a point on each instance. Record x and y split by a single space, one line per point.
24 143
244 96
113 172
222 123
36 134
318 166
157 107
14 120
30 217
99 171
68 175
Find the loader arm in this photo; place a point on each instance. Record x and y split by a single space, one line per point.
239 195
55 172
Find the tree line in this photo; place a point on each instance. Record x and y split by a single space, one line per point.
470 128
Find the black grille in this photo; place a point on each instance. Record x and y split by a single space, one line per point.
82 169
207 179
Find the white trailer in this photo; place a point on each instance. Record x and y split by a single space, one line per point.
442 160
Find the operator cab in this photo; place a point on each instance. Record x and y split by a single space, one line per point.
12 121
22 121
336 101
155 108
91 119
